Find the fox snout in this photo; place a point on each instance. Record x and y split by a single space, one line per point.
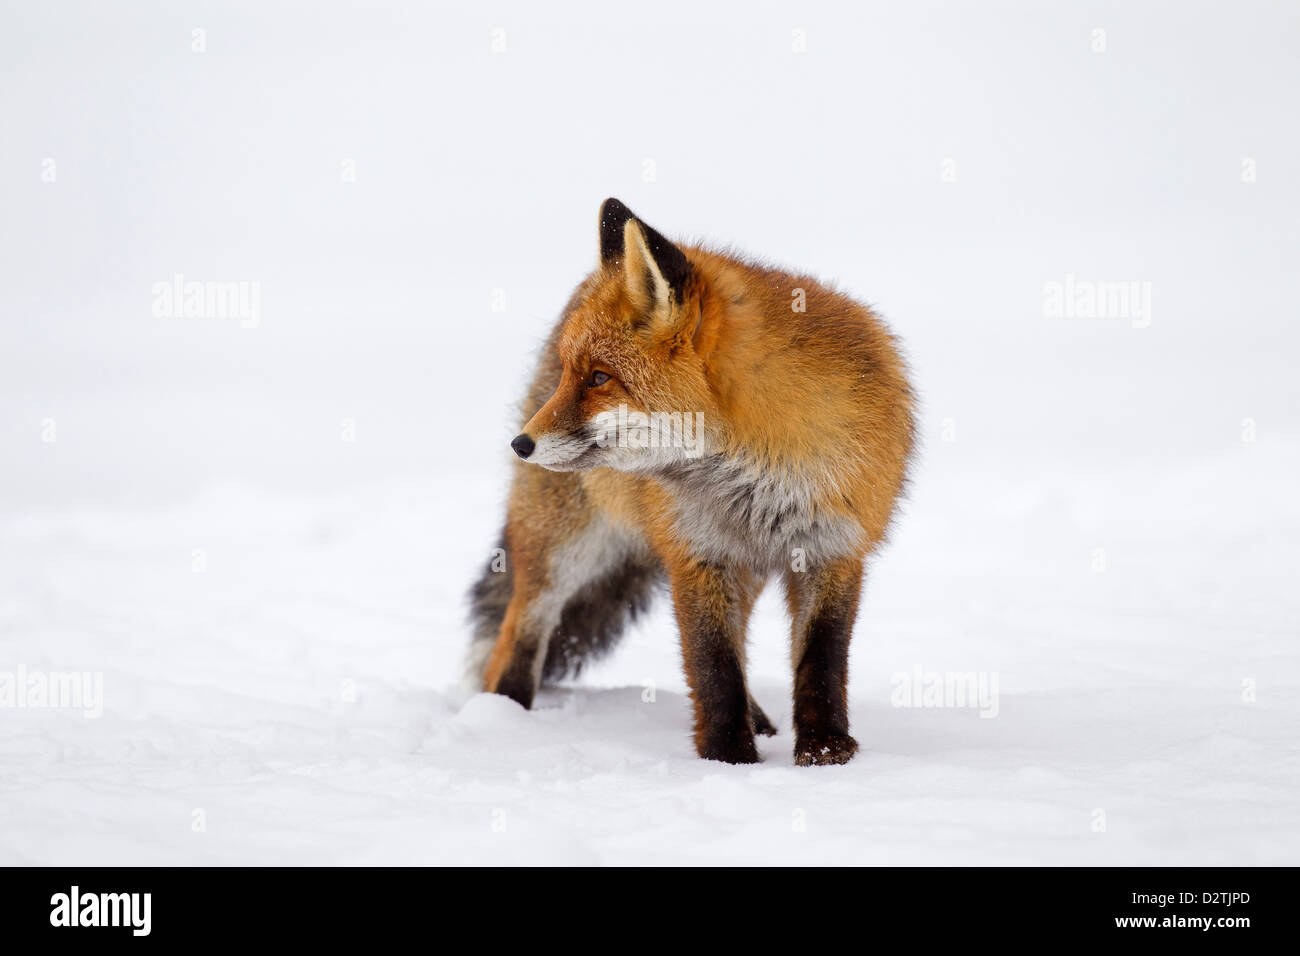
523 445
557 449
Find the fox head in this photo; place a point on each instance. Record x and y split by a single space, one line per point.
632 392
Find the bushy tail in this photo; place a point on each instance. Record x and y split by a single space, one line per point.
590 624
594 619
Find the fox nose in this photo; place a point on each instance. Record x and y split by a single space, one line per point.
523 446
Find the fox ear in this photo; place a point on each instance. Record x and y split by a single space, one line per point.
613 216
655 272
654 269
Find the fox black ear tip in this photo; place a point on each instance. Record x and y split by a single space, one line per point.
613 217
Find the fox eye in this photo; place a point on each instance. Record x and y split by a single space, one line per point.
599 378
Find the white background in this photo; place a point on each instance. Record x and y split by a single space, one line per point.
337 570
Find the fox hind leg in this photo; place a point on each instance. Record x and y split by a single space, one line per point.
762 725
587 583
489 598
514 665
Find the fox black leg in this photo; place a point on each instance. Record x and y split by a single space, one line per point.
762 725
823 606
712 605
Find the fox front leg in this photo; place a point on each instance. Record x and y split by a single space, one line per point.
712 606
823 605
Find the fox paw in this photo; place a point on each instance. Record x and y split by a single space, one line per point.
824 749
759 719
735 748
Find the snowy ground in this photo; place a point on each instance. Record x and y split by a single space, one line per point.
299 692
1103 516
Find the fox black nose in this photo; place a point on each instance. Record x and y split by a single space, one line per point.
523 446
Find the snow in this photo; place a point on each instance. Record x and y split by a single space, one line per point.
300 692
1102 516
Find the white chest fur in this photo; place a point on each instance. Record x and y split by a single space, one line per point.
733 511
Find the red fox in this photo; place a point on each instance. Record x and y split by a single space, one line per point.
712 422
